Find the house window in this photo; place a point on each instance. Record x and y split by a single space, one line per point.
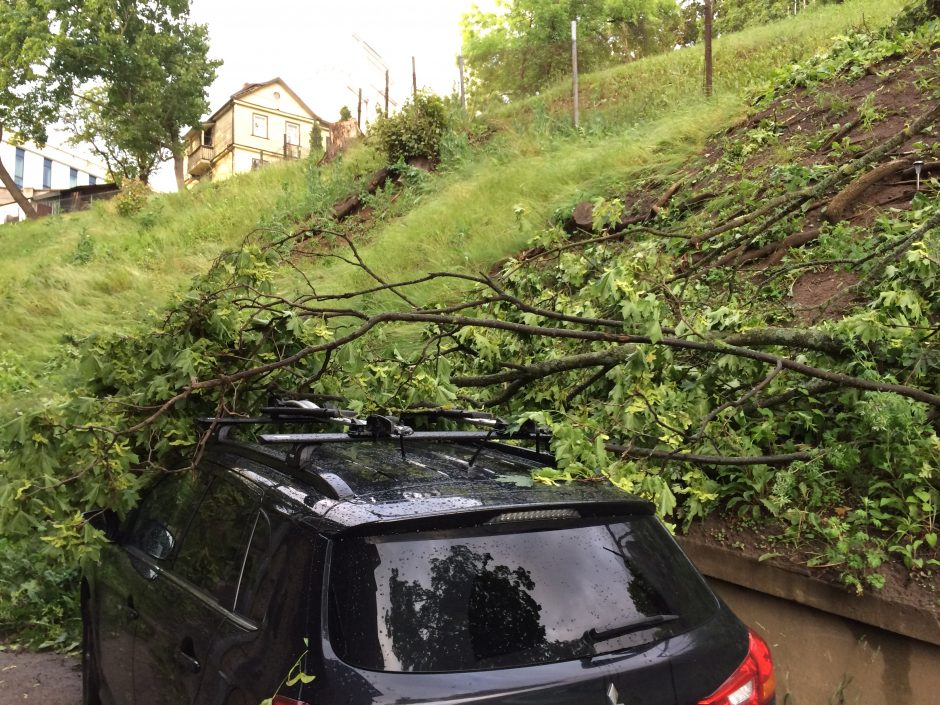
292 134
47 173
19 166
259 125
73 177
207 137
92 180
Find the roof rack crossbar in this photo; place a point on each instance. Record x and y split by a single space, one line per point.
468 416
415 435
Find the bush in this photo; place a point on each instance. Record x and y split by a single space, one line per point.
132 198
416 131
38 599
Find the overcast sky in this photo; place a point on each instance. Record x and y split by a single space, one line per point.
320 49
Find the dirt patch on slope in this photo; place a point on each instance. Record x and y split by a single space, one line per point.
822 295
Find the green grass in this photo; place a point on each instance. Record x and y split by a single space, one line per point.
83 273
67 277
644 90
489 210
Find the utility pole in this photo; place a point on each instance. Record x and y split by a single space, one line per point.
463 95
359 111
386 92
574 72
414 79
709 16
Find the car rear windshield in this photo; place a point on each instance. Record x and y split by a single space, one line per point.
500 598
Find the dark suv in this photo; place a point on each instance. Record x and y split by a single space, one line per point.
377 564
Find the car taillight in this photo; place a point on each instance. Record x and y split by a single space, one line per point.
753 682
281 700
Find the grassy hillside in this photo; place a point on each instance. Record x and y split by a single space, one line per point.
67 277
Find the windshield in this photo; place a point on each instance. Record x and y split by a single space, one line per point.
459 601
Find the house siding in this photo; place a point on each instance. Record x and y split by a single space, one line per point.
222 134
34 158
235 144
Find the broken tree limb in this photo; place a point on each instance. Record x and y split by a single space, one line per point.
582 218
788 202
752 392
843 131
652 454
794 240
352 204
663 200
843 201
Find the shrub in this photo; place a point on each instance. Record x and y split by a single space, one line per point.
416 131
132 198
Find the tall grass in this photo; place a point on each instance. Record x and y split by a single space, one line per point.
82 273
491 208
643 90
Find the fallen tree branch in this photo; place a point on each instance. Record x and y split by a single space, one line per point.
636 453
756 389
846 198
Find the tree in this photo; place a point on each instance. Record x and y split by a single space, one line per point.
526 44
129 74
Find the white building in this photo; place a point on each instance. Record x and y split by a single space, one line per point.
38 171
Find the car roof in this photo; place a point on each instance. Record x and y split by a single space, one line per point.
368 482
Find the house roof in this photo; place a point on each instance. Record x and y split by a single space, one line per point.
250 88
90 189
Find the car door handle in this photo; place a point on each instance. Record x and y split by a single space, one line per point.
186 656
130 612
190 663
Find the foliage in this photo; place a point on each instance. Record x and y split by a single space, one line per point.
132 199
345 113
39 609
628 95
130 75
917 13
525 45
735 15
416 131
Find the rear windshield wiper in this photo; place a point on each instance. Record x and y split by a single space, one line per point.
592 636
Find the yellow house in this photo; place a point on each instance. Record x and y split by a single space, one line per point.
261 123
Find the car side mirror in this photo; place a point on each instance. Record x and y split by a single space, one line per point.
157 541
106 521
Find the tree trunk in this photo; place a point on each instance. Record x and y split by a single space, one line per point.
10 185
179 167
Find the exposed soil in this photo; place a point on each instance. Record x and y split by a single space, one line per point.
42 678
821 295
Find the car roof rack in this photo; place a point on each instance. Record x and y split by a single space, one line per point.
376 427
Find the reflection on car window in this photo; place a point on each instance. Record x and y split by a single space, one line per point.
456 603
163 513
213 549
257 561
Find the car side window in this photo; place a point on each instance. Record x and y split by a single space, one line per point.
161 518
213 553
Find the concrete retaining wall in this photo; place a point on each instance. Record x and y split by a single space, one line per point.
829 647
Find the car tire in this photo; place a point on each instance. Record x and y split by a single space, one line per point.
90 681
